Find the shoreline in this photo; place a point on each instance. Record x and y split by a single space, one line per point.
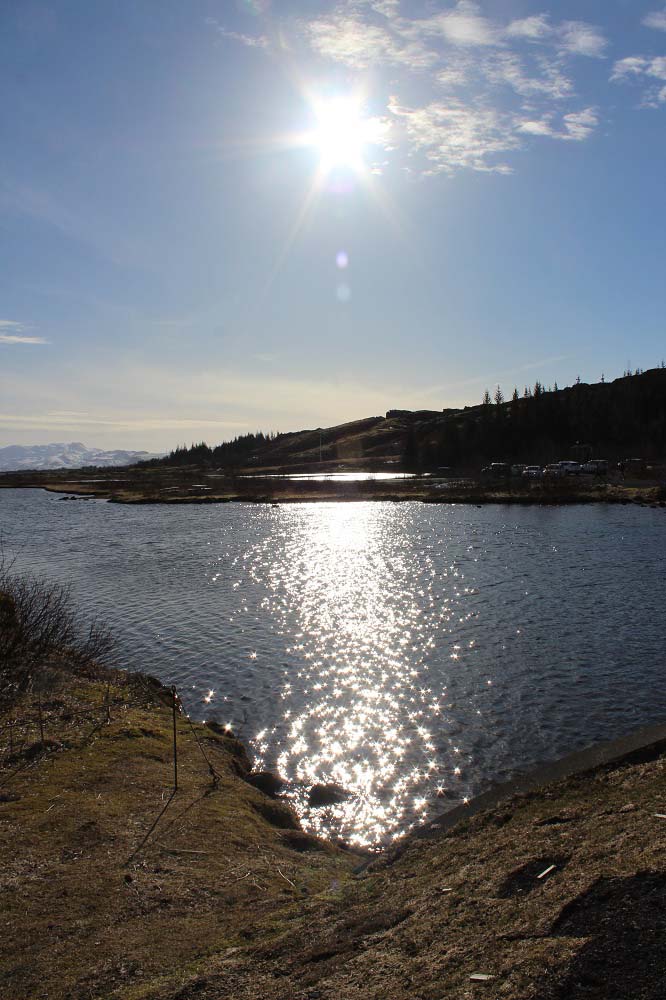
420 491
638 746
227 893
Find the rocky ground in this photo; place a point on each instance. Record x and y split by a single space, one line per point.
112 888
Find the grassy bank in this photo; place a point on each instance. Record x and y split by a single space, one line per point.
226 896
91 908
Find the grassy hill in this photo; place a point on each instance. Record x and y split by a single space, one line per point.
621 419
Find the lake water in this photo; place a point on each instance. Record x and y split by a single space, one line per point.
412 653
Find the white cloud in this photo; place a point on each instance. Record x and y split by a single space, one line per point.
575 127
581 39
537 127
508 68
464 25
644 69
533 28
631 66
16 334
657 20
352 41
579 124
10 338
389 8
453 135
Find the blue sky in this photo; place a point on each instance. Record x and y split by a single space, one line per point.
219 217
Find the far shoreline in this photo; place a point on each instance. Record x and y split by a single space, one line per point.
274 491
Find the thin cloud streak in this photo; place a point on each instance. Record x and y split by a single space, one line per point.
16 334
250 41
48 421
494 377
15 338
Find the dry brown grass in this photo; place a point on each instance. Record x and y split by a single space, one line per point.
223 900
87 915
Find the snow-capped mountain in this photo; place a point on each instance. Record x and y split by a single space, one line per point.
64 456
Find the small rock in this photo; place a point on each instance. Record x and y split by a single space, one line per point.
267 782
326 795
629 808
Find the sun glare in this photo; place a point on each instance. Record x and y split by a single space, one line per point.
343 132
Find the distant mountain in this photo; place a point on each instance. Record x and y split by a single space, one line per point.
74 455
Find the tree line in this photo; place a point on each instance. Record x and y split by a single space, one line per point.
624 418
236 452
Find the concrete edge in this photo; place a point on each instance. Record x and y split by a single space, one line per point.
642 745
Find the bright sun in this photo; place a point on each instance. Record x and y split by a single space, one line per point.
343 132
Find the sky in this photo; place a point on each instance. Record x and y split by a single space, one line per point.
219 217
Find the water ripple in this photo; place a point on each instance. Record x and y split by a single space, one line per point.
404 653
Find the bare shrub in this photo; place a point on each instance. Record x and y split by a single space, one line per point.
40 634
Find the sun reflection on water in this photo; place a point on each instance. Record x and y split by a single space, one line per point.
361 624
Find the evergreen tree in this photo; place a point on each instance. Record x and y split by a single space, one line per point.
410 455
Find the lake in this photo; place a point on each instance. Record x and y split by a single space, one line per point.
412 653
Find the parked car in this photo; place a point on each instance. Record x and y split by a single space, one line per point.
570 468
517 470
533 472
497 470
553 472
596 467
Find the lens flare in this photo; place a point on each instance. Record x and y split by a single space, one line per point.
344 133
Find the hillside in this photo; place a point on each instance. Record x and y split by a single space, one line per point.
614 420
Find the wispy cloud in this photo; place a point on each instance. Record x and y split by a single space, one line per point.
574 127
647 70
485 85
250 41
359 44
453 135
16 334
45 421
657 20
549 81
207 403
534 28
9 338
582 39
464 25
510 375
